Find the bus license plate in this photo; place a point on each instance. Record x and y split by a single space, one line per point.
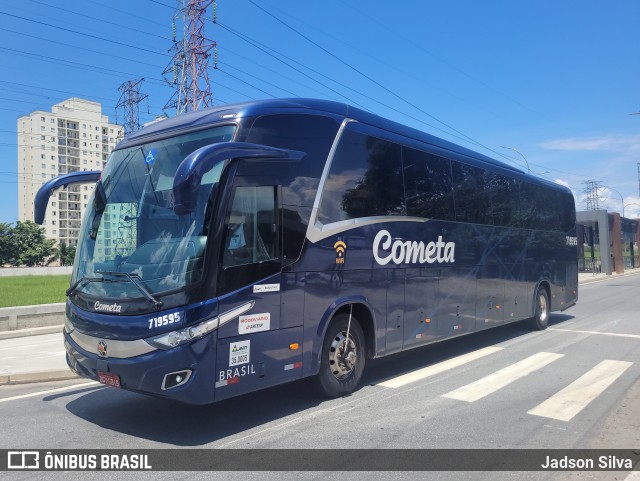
109 379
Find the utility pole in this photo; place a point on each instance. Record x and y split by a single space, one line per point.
591 190
130 99
189 68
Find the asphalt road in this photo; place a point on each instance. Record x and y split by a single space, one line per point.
575 385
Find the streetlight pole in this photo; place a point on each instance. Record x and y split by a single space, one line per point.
621 197
521 155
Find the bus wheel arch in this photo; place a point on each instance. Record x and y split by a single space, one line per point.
541 307
362 312
346 346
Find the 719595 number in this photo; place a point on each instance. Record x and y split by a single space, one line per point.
165 320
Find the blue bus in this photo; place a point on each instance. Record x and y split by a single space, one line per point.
228 250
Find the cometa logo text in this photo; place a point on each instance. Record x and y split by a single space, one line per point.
98 306
411 252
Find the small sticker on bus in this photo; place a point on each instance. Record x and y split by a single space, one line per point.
266 288
254 323
150 158
239 353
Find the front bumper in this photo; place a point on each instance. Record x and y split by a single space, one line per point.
147 373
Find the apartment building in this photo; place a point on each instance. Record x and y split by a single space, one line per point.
74 136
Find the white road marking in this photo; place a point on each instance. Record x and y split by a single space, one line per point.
633 476
499 379
434 369
50 391
632 336
568 402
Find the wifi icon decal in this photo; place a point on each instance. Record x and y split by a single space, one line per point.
340 248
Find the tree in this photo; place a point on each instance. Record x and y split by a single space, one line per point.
6 243
64 254
29 247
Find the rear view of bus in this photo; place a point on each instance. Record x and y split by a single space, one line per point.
209 266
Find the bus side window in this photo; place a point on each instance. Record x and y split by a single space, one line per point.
472 201
365 180
251 244
428 185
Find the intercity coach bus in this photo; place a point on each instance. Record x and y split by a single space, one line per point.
245 246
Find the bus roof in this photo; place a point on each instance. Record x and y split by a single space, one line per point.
202 118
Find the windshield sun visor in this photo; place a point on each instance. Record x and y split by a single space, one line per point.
190 172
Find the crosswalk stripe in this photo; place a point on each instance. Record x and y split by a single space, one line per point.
568 402
434 369
614 334
499 379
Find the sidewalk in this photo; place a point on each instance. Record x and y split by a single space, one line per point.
33 358
36 355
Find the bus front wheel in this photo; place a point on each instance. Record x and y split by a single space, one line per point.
540 320
342 357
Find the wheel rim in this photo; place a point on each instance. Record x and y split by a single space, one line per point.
343 356
543 311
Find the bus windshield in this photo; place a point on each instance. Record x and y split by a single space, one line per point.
132 243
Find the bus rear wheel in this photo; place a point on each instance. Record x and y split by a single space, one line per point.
540 320
342 357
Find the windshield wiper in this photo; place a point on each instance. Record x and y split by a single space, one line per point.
81 283
136 281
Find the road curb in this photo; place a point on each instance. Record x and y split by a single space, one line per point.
34 331
30 377
605 277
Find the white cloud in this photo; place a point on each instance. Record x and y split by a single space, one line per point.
615 143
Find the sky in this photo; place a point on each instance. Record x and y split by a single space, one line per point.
544 85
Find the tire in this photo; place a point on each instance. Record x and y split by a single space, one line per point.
340 376
540 319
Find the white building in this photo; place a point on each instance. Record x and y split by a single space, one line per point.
74 136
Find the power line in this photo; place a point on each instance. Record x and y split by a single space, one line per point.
127 13
137 61
444 61
70 63
257 45
257 78
404 73
386 89
100 20
246 83
81 33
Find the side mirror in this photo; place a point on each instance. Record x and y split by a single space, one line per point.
44 193
190 171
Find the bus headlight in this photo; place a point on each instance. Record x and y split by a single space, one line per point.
68 327
175 338
172 339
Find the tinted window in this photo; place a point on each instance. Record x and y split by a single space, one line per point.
428 185
567 211
471 194
312 134
546 208
365 180
503 192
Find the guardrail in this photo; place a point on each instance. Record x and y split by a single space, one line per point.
27 317
35 271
